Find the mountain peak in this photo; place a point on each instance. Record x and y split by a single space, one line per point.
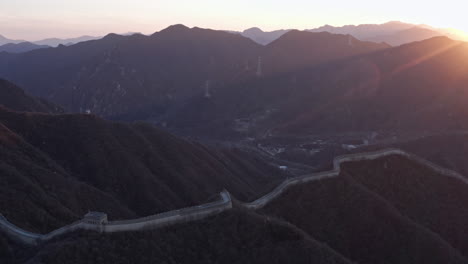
177 28
253 30
395 22
112 36
294 34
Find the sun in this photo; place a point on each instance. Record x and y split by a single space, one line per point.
461 34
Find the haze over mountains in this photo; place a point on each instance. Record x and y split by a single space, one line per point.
393 33
113 76
21 47
279 87
52 42
4 40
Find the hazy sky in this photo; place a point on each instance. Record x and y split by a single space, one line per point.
37 19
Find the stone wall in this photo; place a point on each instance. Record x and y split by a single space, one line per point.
337 162
150 222
17 233
171 217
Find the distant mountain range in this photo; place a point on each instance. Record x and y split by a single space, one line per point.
21 47
52 42
207 82
393 33
262 37
5 40
113 77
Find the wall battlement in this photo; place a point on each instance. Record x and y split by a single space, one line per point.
225 203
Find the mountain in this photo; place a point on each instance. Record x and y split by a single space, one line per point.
406 36
4 40
382 211
114 71
113 77
392 209
20 47
50 42
309 83
54 42
15 98
394 33
394 83
447 149
366 31
57 167
297 49
262 37
236 236
391 91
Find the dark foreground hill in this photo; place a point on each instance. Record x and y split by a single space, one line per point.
232 237
434 201
391 210
57 167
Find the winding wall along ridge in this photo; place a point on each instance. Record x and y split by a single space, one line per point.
205 210
337 161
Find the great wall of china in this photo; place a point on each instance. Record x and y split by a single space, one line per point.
149 222
209 209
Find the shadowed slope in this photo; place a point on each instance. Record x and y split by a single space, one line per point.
432 200
16 99
362 224
39 195
232 237
144 169
297 49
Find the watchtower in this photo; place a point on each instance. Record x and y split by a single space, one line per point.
97 218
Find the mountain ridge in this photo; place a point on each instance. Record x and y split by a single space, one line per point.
111 70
